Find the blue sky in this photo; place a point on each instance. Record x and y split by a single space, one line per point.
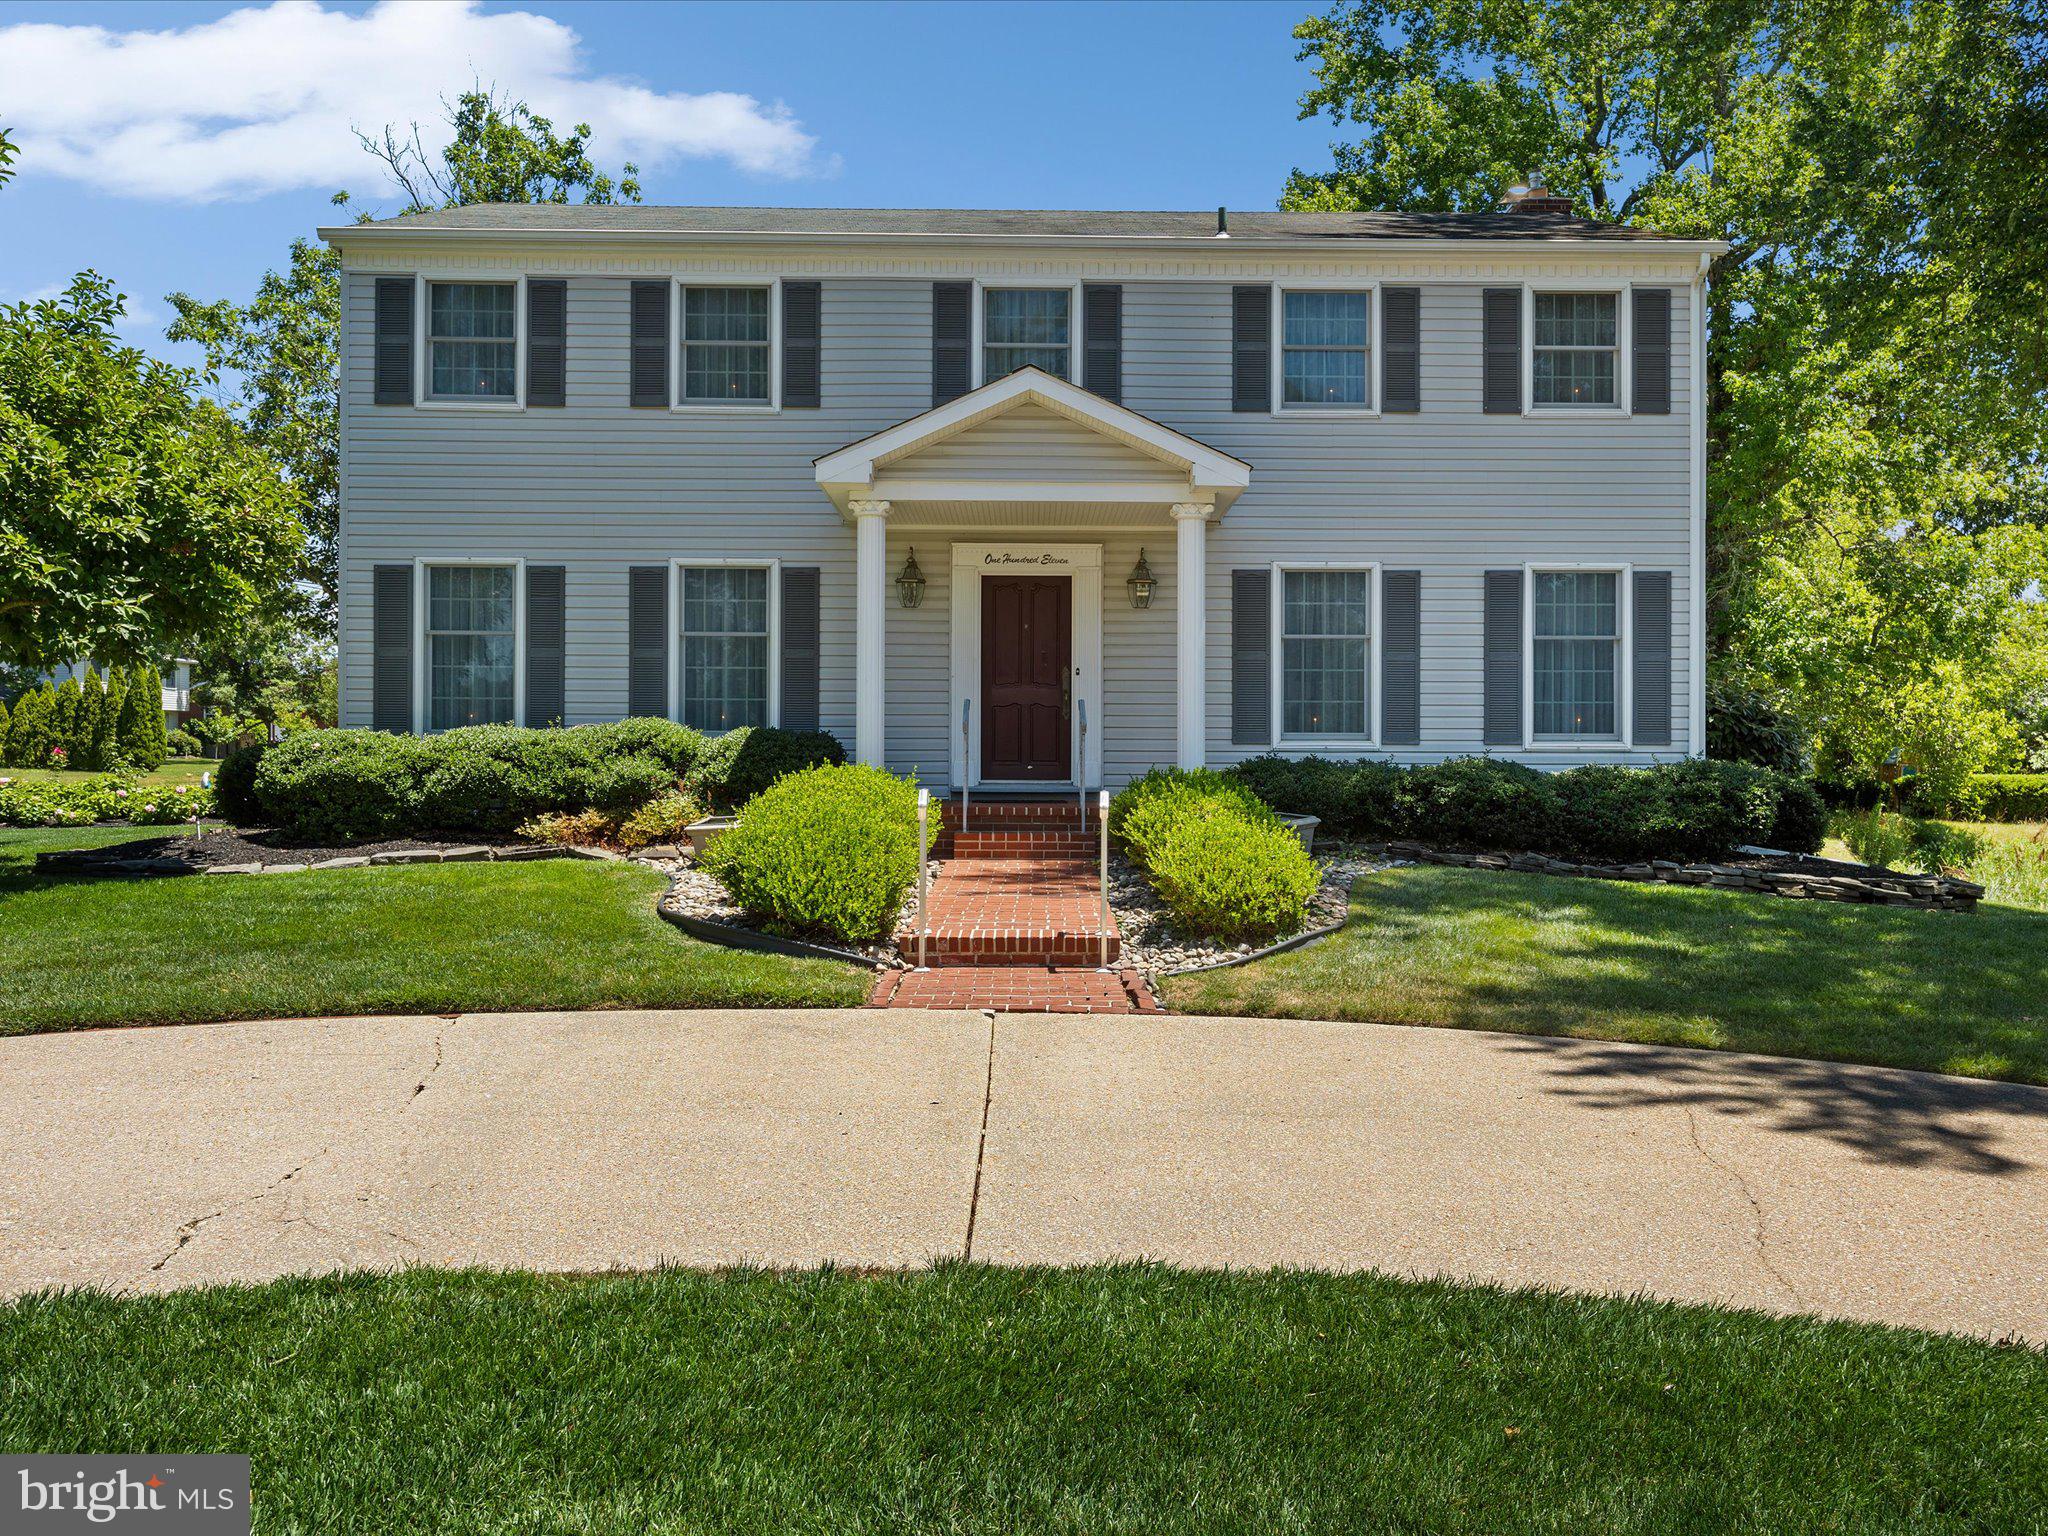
182 146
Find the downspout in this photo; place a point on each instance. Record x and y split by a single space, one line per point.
1696 734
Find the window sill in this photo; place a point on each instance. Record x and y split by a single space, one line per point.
469 405
706 408
1575 410
1576 744
1355 412
1313 744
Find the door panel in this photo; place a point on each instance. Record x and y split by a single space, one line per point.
1026 660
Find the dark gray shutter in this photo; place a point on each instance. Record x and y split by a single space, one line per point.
391 648
1401 658
649 370
1650 352
1401 366
800 647
952 340
1651 640
547 340
1102 340
802 385
1251 658
1251 347
1501 347
647 640
546 627
1501 725
394 342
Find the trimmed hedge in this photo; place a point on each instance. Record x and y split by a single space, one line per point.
1995 797
1685 810
828 852
1225 865
733 768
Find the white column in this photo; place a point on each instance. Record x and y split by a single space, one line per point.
1191 585
871 615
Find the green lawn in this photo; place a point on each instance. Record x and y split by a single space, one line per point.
428 939
177 770
1948 992
974 1399
2013 868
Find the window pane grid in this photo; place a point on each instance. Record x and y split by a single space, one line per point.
471 347
1323 347
725 345
1577 342
469 646
1326 624
1576 659
725 647
1025 327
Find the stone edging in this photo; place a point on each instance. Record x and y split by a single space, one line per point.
732 936
1853 883
93 861
1300 940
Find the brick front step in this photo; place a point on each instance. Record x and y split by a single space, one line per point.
1016 989
1014 844
1015 815
980 947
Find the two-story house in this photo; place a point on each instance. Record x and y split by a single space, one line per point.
1029 499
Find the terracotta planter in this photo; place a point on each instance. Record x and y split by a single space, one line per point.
702 834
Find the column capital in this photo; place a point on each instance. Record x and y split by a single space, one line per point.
868 508
1193 511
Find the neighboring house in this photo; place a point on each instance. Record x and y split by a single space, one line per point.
177 680
1410 485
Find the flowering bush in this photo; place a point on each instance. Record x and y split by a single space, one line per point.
80 802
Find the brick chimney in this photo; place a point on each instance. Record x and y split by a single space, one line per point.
1529 195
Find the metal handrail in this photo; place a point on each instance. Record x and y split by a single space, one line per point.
966 759
1102 809
924 909
1081 772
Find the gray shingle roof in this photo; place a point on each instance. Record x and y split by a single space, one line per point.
1000 222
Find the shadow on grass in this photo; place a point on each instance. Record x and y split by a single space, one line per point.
1906 1119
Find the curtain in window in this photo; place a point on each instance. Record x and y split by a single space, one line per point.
1577 652
471 345
1323 348
725 345
725 647
1576 341
1025 327
1326 625
469 646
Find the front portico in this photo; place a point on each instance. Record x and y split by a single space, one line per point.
1015 492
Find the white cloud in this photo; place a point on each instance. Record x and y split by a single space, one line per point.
266 99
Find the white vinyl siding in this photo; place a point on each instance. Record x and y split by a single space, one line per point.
472 341
1577 353
1575 668
725 646
471 655
1325 347
1027 328
726 346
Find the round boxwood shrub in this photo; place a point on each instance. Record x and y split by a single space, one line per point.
1229 875
234 783
1143 808
732 769
827 852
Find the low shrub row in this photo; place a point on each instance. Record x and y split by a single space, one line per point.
351 785
1993 797
1696 809
828 852
80 802
1225 865
664 819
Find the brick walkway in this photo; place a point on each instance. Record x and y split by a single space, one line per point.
1016 920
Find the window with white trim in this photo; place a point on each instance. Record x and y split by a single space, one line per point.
472 341
725 646
1577 348
1325 347
726 346
470 645
1576 661
1326 653
1026 328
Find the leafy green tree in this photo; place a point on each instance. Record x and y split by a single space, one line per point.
88 734
64 708
132 514
26 744
144 739
272 673
1876 442
106 746
499 153
7 156
5 719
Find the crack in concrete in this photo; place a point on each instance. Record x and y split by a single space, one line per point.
1760 1225
981 1147
190 1229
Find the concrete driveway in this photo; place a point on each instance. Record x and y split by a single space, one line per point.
145 1159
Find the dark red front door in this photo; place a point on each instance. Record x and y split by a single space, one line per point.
1026 656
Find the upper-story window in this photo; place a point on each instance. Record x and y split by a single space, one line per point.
1325 348
726 346
472 341
1576 662
1577 348
1026 328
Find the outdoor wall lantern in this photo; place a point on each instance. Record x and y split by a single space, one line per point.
910 585
1142 583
